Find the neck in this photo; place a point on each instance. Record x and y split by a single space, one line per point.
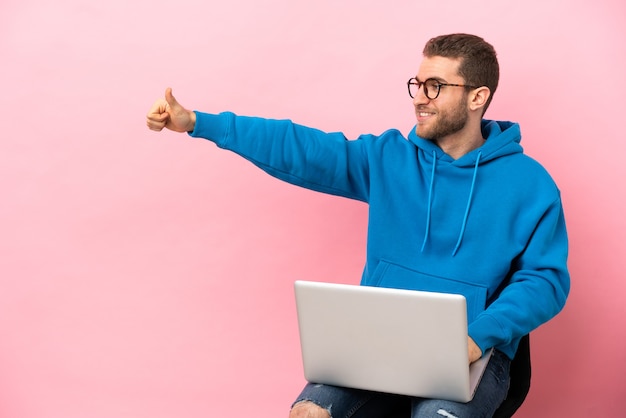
460 143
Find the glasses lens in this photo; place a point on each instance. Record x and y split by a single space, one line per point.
431 89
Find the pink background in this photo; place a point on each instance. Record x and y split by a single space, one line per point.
150 275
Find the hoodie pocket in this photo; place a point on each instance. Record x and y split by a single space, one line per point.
392 275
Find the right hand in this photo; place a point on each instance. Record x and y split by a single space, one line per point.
168 113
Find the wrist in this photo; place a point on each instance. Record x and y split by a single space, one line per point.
192 121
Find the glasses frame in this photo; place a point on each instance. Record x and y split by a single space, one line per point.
413 81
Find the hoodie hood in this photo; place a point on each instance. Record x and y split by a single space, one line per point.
502 139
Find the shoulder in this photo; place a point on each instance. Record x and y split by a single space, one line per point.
531 167
390 136
528 176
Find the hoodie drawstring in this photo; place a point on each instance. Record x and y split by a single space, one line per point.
467 209
430 201
469 204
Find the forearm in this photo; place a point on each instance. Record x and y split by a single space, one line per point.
297 154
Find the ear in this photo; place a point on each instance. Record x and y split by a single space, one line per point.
477 98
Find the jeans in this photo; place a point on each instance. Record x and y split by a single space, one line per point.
355 403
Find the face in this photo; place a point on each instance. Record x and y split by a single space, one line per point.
448 113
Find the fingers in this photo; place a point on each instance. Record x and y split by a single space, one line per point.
157 116
155 126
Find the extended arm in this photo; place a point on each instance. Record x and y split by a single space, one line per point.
307 157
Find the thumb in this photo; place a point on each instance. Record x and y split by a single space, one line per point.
170 99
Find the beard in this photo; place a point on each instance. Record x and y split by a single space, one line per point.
448 122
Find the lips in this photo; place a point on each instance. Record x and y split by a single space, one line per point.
423 115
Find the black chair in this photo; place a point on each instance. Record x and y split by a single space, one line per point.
520 382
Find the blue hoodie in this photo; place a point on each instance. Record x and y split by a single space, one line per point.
488 225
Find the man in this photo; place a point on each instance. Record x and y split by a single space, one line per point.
456 208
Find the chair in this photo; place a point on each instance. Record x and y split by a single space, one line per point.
520 382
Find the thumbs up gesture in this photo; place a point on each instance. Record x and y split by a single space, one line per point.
168 113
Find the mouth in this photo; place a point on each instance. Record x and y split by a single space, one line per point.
423 116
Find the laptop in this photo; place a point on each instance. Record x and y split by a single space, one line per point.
398 341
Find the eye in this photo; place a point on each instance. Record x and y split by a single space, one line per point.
433 84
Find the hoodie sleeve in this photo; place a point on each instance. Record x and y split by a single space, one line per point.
537 289
307 157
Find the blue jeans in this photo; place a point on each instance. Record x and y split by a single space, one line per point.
355 403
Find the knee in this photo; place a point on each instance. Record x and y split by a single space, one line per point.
306 409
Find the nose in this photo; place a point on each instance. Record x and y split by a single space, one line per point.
420 96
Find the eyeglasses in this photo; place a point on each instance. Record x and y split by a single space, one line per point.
432 87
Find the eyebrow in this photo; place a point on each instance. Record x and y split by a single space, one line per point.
438 79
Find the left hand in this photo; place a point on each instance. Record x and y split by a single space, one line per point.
474 350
